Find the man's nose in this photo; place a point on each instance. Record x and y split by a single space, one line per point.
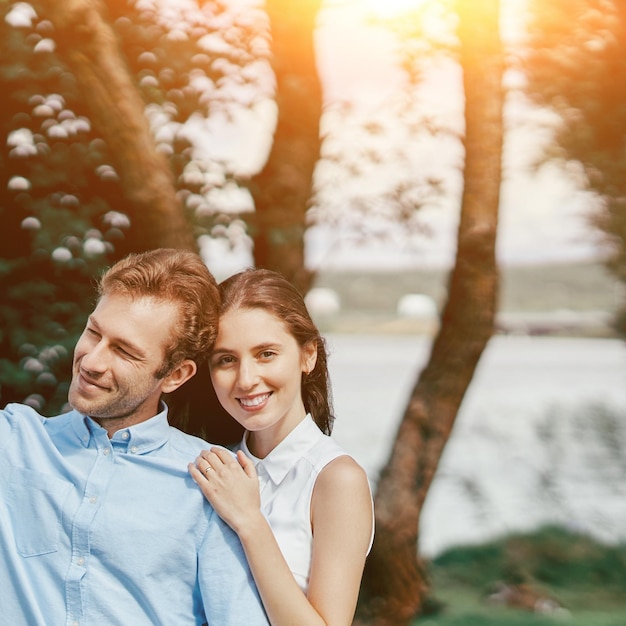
95 358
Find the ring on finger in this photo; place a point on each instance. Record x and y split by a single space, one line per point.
208 469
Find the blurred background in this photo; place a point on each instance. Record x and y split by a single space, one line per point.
357 146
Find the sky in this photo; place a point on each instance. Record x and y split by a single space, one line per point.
543 214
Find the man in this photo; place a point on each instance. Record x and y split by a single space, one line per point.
100 522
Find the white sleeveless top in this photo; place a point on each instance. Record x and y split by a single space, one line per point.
287 476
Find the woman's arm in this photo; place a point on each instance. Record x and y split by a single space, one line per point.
342 523
342 520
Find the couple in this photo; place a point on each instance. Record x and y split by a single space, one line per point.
100 519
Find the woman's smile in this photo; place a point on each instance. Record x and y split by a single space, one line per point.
254 402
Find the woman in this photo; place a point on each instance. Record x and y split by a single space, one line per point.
301 506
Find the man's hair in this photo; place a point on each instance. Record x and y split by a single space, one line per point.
178 277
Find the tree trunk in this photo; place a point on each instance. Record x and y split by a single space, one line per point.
88 45
395 585
281 191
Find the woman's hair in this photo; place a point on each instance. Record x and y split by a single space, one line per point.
269 290
178 277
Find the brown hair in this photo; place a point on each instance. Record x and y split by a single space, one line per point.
179 277
269 290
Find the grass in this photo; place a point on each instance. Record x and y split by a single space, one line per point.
587 578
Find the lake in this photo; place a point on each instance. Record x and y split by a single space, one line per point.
540 437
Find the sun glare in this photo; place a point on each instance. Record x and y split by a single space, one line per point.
391 8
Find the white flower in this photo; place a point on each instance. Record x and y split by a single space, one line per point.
19 183
33 365
58 132
62 254
20 137
45 45
115 219
93 247
31 223
21 15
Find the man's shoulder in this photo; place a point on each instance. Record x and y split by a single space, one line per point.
16 415
21 412
15 418
187 443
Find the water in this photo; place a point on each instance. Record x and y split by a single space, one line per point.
540 437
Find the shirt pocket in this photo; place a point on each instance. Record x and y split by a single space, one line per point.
35 502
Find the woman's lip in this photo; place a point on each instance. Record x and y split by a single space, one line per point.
252 403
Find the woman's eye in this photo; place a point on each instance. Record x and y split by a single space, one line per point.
224 360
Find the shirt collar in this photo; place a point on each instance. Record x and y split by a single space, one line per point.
82 430
286 454
138 439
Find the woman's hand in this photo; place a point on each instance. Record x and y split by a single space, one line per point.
230 484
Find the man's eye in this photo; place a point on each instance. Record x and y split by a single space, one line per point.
125 354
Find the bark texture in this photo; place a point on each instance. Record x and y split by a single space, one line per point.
395 588
281 191
88 44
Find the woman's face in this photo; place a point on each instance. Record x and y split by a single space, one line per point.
256 369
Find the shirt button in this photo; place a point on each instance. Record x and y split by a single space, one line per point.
106 452
125 435
93 500
75 623
134 449
80 561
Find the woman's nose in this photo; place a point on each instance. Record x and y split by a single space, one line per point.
247 375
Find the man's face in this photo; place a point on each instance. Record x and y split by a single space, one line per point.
116 357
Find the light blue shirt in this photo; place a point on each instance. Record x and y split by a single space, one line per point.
112 532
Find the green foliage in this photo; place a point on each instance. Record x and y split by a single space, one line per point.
53 210
62 207
497 619
580 73
552 555
587 577
506 617
476 565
